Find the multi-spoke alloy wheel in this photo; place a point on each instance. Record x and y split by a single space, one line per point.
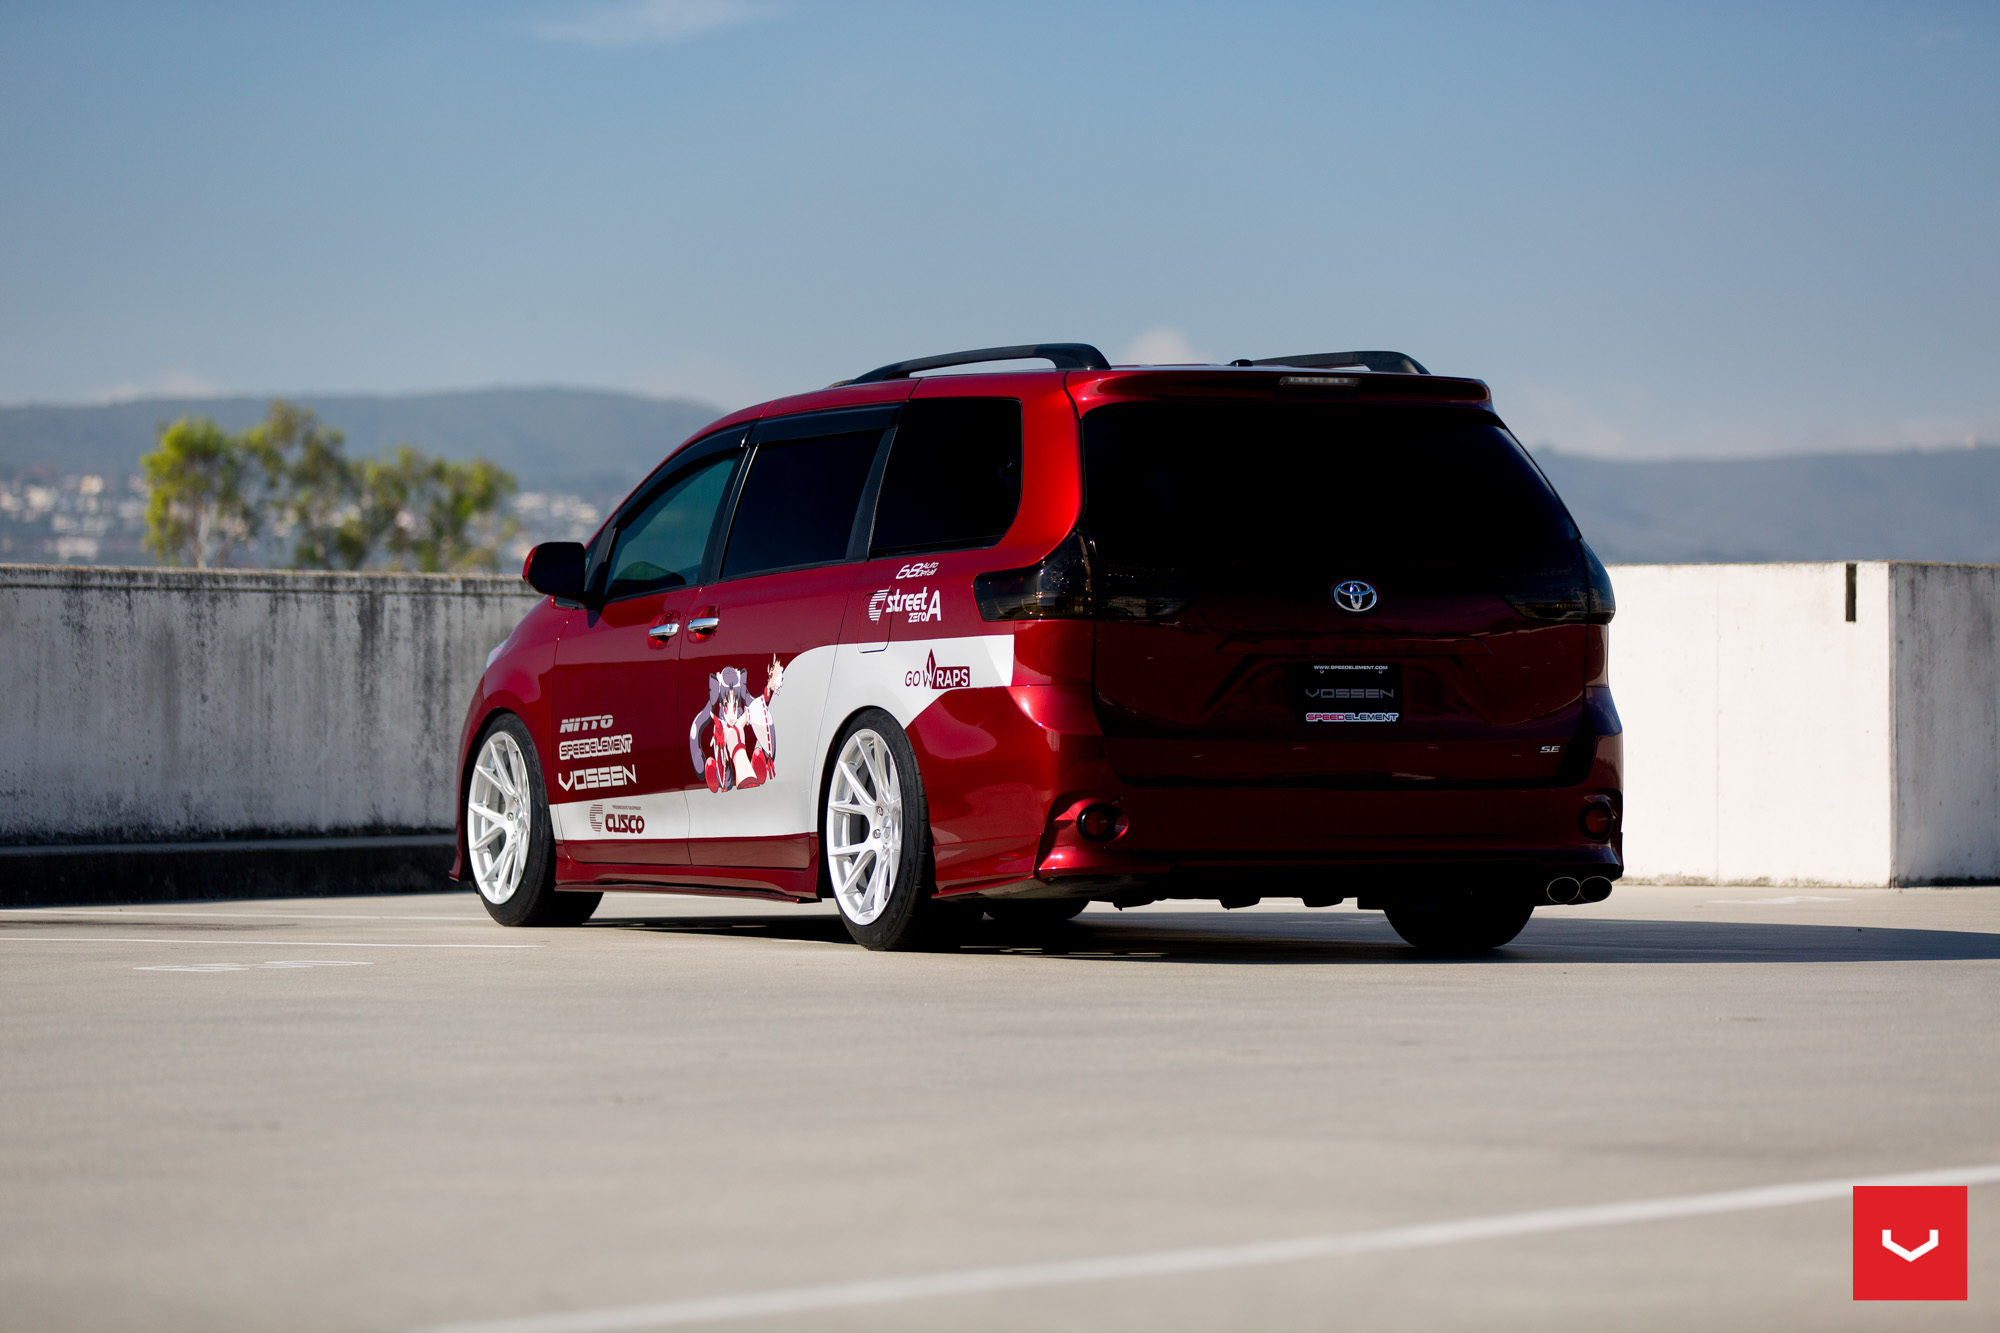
864 826
509 843
497 817
876 838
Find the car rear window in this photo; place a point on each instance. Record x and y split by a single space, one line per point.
954 476
798 503
1281 493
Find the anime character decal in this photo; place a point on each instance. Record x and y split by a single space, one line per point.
732 741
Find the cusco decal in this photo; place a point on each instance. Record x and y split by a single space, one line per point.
733 741
617 819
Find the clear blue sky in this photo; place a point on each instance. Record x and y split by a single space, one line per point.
1672 230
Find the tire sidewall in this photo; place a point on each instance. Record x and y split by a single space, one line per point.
900 925
535 900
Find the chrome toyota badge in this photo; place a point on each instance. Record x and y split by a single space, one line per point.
1354 596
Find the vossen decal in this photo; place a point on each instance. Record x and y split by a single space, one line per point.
597 722
605 775
618 819
922 569
594 747
920 604
931 676
1349 692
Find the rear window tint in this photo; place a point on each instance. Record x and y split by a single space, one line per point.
954 476
798 503
1271 494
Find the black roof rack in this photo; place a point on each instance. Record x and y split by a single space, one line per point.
1064 356
1394 363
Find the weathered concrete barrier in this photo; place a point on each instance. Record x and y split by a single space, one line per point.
230 709
169 733
1810 723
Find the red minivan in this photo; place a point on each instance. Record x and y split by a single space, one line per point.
942 644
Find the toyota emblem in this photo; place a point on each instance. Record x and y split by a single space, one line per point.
1354 596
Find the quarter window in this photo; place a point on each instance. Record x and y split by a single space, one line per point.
798 503
954 476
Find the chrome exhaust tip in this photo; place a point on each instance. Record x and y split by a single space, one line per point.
1564 889
1595 889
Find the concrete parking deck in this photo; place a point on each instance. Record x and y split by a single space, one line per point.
390 1114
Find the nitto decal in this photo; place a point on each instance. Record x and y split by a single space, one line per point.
608 775
931 676
594 747
732 741
922 569
618 819
1352 717
921 604
598 722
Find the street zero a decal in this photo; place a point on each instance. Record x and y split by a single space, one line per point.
732 740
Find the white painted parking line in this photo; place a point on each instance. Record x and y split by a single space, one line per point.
252 967
259 943
1209 1259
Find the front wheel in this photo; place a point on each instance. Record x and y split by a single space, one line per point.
875 838
508 838
1459 927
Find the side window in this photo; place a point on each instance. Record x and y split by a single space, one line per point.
954 476
661 546
798 503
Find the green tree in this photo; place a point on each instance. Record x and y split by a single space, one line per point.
435 515
215 496
209 494
316 490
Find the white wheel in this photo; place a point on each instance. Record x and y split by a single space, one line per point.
498 816
864 827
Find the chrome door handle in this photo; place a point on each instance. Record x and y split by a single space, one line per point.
704 624
665 630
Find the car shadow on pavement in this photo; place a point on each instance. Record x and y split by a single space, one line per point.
1347 937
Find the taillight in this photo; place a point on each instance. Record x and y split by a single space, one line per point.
1056 587
1572 588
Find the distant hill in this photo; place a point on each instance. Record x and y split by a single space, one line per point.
1911 505
1942 505
579 441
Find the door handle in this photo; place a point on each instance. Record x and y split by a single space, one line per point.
704 624
664 631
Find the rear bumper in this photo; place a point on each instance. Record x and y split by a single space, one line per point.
1183 840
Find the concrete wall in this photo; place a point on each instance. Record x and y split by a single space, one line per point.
142 705
1946 705
1770 739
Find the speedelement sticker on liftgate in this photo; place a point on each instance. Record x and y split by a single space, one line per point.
1349 692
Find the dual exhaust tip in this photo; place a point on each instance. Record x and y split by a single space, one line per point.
1567 889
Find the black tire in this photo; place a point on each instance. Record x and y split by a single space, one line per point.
911 918
1034 913
1458 927
534 900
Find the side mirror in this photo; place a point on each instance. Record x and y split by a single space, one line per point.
556 568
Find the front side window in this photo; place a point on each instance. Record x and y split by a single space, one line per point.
798 503
954 476
662 545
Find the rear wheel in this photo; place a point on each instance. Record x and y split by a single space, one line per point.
1461 926
875 839
509 841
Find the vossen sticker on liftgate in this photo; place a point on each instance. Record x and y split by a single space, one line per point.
1348 692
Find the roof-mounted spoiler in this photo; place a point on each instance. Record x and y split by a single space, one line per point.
1392 363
